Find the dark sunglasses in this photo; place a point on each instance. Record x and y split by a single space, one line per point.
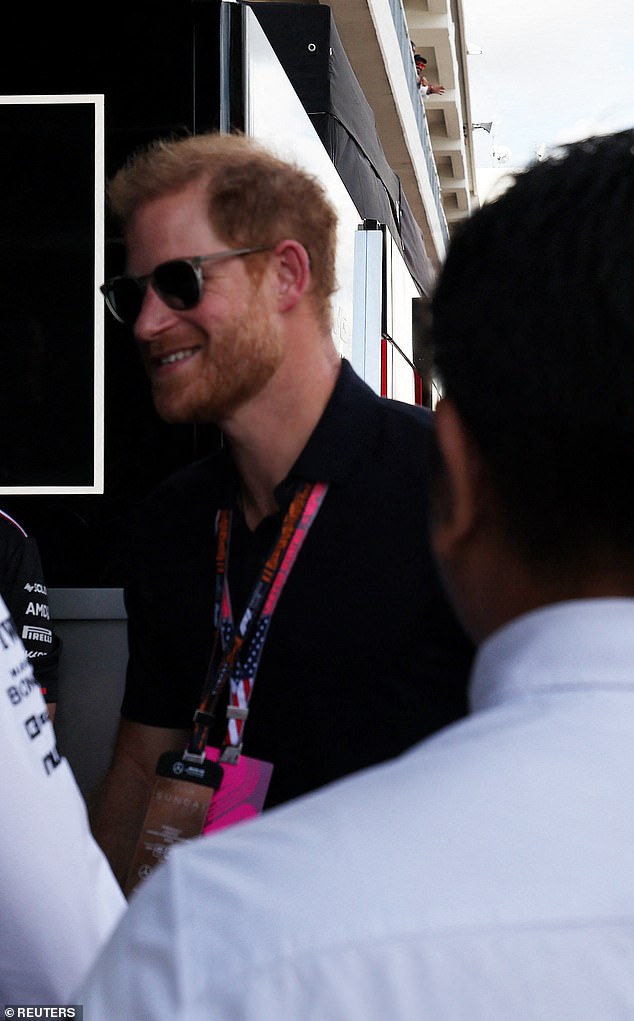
178 283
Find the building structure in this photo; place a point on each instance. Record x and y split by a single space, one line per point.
427 142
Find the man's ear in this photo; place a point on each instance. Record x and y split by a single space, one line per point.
293 273
459 493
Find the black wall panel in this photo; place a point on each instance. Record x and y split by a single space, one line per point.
157 66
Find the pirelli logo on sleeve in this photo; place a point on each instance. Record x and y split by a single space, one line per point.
37 634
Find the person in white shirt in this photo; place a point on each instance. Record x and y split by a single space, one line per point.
59 900
487 874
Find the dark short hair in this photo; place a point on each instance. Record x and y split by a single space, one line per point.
533 334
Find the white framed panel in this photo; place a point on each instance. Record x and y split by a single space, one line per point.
368 296
400 292
51 311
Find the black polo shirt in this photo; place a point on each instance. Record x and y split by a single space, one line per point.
364 656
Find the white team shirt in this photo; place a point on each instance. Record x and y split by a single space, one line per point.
59 900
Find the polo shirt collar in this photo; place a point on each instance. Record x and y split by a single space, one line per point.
347 429
339 443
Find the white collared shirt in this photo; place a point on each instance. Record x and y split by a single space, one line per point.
487 874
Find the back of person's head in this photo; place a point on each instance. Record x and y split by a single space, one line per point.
533 324
254 197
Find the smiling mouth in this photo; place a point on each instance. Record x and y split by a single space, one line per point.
175 356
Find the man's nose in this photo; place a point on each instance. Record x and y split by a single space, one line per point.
154 317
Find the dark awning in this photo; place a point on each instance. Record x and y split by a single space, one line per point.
307 44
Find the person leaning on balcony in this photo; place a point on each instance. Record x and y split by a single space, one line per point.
425 87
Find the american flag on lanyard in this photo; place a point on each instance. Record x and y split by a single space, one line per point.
242 680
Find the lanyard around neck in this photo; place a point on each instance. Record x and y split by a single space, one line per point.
237 650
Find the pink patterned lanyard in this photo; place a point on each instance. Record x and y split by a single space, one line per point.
242 646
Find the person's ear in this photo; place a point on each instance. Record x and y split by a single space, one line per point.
293 273
458 492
